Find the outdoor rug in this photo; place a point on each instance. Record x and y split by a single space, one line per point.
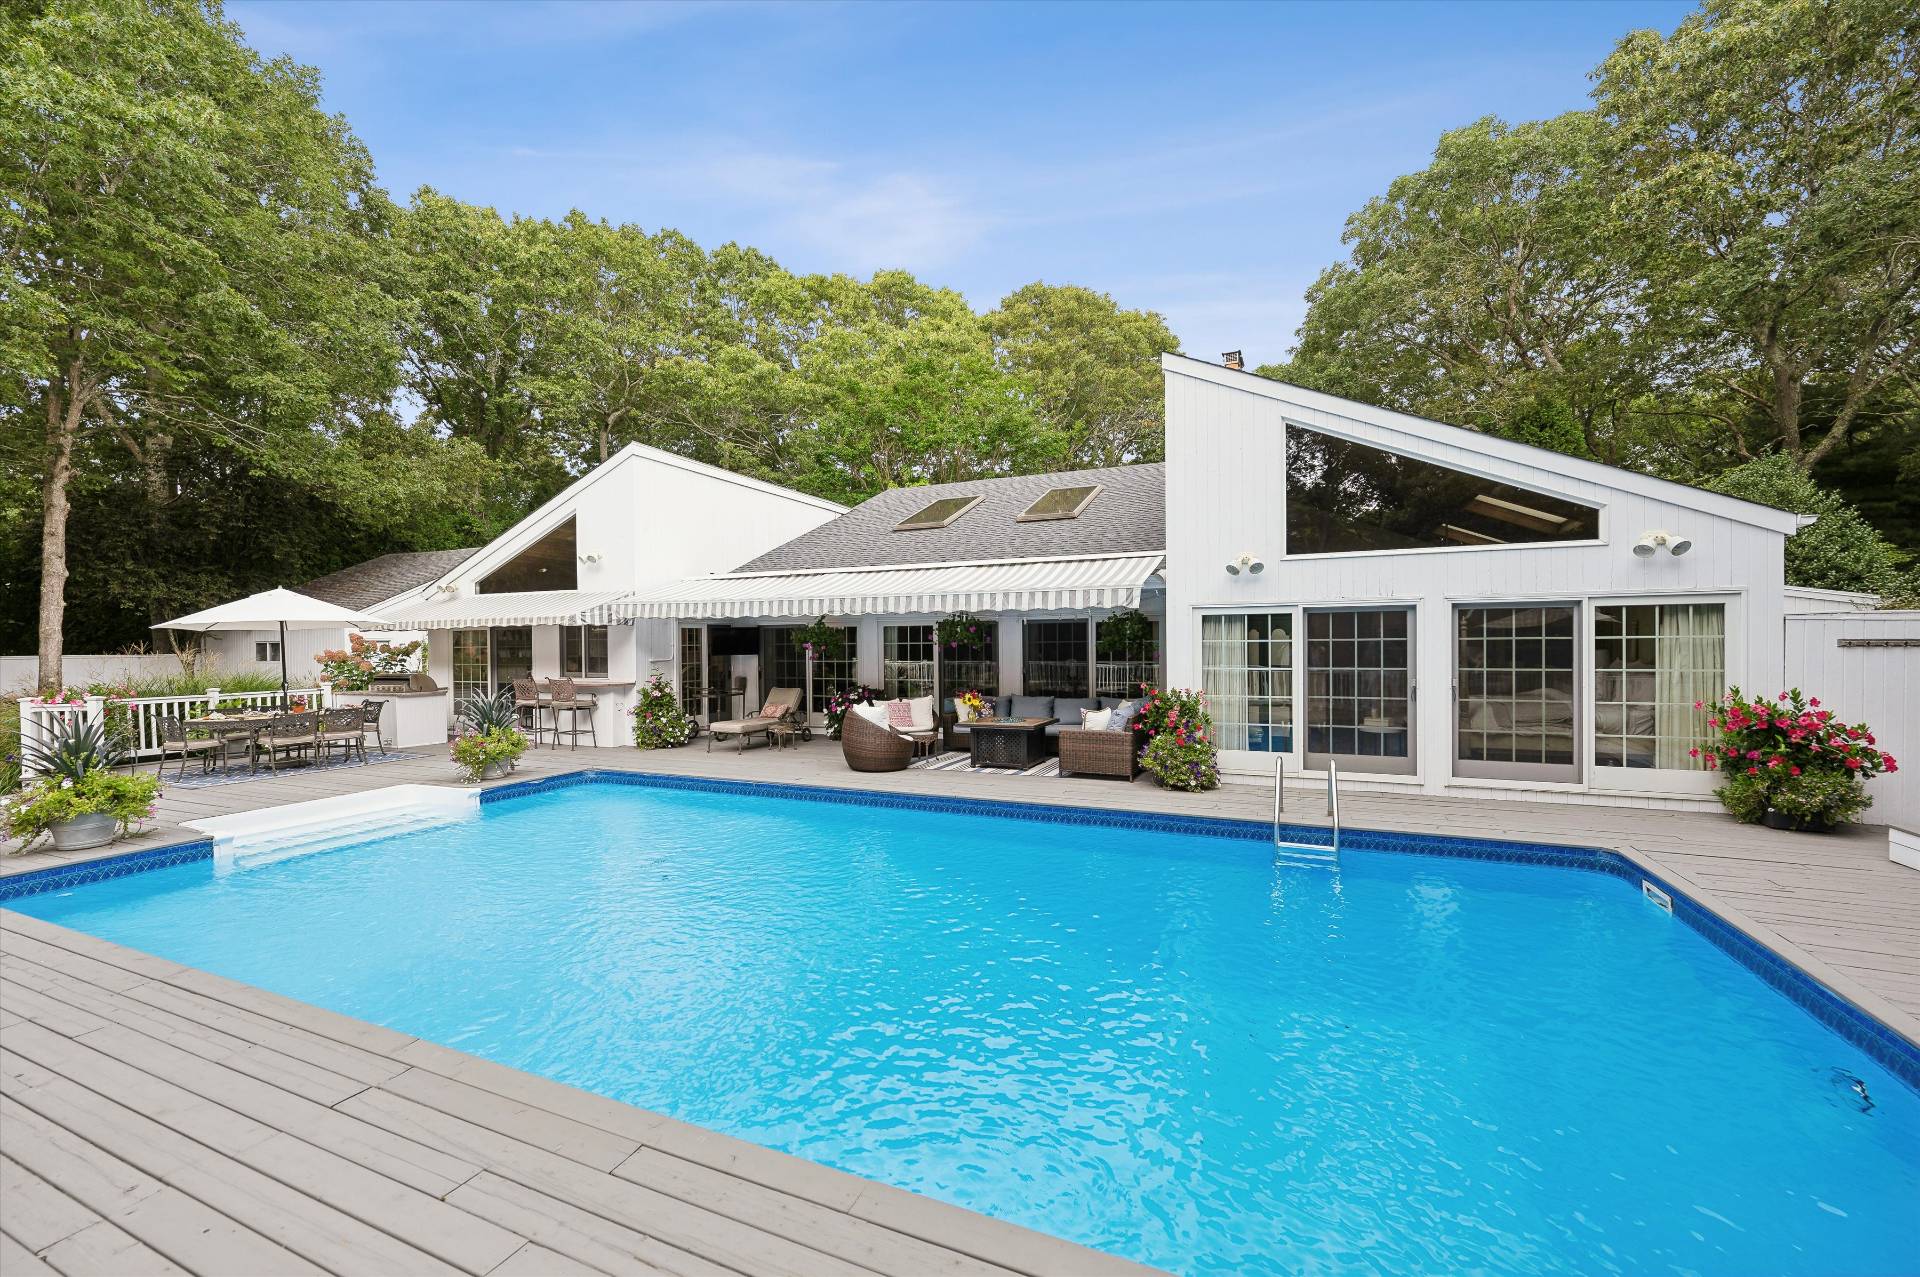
239 775
955 761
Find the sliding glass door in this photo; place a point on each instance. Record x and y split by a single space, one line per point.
1360 689
1516 714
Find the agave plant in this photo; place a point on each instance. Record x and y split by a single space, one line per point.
71 748
483 714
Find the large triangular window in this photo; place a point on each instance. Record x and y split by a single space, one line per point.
1345 497
547 564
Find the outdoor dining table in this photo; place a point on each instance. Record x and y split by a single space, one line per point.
227 728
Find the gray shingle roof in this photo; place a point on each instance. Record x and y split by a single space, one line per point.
376 580
1128 516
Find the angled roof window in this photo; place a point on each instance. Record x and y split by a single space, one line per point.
1060 503
937 515
547 564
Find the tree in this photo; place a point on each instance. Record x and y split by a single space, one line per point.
1092 369
1840 551
1769 152
189 244
1489 289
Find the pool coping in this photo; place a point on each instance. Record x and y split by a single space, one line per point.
1880 1041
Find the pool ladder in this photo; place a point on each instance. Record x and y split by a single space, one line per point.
1306 853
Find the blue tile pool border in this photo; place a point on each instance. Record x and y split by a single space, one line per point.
1887 1047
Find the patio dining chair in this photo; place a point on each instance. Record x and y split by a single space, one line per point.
174 740
370 722
342 729
291 735
565 698
527 703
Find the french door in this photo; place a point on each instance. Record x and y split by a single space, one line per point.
1360 689
1516 701
472 665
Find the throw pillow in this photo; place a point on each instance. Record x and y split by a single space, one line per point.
875 714
773 709
900 715
922 707
1095 720
1122 714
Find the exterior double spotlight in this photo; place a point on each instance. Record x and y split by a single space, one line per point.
1650 544
1245 563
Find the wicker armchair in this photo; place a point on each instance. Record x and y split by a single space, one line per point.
871 748
1089 753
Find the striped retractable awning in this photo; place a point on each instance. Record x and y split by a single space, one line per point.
478 611
1027 585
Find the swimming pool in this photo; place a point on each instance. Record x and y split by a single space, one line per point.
1164 1044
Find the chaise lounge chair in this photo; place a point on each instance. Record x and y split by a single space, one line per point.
785 699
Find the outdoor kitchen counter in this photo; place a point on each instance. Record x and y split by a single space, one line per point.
411 719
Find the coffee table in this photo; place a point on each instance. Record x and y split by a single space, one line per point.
1008 742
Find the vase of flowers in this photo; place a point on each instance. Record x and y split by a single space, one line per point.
1788 763
970 705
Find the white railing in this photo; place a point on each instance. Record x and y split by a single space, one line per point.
1123 678
144 714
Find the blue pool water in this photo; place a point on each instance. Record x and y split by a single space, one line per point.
1167 1046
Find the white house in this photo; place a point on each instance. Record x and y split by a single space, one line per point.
1439 608
531 602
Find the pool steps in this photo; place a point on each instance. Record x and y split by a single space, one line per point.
248 840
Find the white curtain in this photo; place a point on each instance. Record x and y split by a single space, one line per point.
1223 676
1692 666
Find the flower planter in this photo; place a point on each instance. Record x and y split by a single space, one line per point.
95 829
1810 825
494 771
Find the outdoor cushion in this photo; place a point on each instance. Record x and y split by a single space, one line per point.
900 715
1095 720
875 714
1122 716
1067 709
1032 707
921 713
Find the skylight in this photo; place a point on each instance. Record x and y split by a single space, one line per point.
938 515
1060 503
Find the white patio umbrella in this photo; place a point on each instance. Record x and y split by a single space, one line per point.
284 608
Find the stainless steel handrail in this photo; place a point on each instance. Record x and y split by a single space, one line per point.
1279 793
1333 799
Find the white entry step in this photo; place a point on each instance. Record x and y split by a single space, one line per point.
248 840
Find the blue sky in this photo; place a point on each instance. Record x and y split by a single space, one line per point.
1194 159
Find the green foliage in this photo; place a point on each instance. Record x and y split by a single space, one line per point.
9 744
483 714
1745 797
71 747
1180 749
55 798
1091 369
1127 635
1841 551
473 752
961 629
659 722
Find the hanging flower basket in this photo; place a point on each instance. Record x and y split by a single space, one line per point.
1123 634
962 629
821 641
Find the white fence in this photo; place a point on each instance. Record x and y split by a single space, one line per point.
1865 667
144 714
23 672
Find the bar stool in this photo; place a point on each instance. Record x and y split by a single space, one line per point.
565 698
527 703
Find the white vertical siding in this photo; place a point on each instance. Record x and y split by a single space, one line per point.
1225 497
1876 685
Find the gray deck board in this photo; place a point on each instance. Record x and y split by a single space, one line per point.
155 1118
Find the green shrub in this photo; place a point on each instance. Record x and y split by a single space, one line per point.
474 752
1789 754
1821 797
1744 797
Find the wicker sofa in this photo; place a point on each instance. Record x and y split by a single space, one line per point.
1088 753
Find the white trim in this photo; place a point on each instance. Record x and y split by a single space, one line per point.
940 563
1540 460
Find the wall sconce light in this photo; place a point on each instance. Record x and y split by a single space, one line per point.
1651 543
1245 563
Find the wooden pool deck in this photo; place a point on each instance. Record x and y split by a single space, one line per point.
158 1119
